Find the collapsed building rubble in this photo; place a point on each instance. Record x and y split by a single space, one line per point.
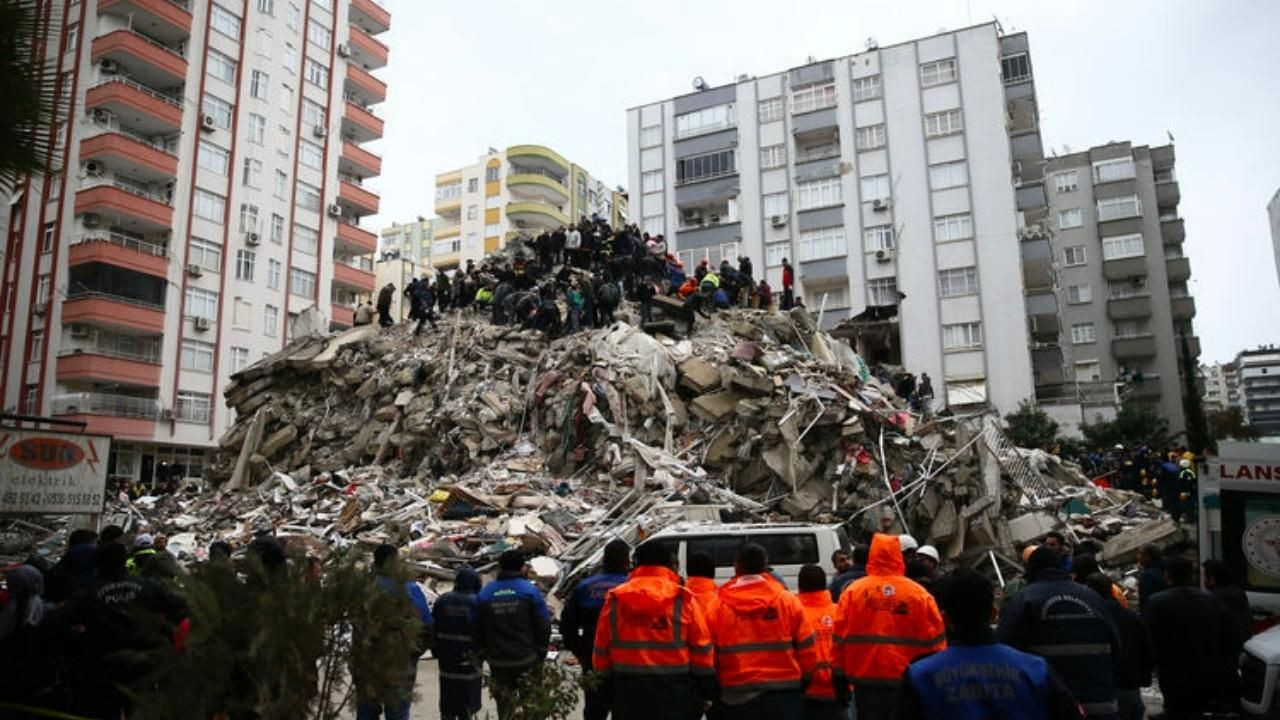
478 437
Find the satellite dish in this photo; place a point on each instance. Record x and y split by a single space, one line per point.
872 44
699 84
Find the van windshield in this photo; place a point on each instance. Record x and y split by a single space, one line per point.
791 549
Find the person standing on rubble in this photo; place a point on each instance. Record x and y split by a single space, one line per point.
455 617
578 621
821 699
513 629
884 621
423 301
387 292
788 284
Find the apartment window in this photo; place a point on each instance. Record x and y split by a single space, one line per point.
826 297
242 314
209 206
877 237
473 211
221 66
305 240
257 128
225 22
73 36
866 88
267 7
1070 218
281 185
775 253
274 272
1089 371
953 227
1119 207
312 113
213 158
957 282
1119 290
651 181
270 320
217 108
962 336
301 282
258 84
473 185
875 187
37 345
31 400
493 230
1015 68
1130 328
870 137
193 406
43 289
650 135
705 120
493 201
239 359
943 123
492 174
822 243
1112 170
48 236
655 225
776 205
949 175
197 356
1073 256
277 229
1068 181
308 196
317 74
201 303
702 167
1122 246
248 217
773 156
318 34
813 97
1083 333
1079 294
770 110
290 59
206 254
938 72
311 155
246 260
818 193
294 17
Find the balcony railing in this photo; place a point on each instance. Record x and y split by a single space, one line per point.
124 241
822 152
95 403
117 351
77 294
176 102
113 125
361 262
147 38
128 187
535 171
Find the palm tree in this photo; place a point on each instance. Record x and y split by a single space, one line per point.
31 107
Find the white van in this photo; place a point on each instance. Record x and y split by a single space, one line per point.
790 545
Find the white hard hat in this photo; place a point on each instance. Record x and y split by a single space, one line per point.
907 542
1184 463
929 551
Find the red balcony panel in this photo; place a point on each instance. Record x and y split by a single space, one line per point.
362 159
120 428
110 311
367 83
370 124
162 18
151 214
130 48
138 104
354 278
90 367
371 16
342 315
123 149
105 251
356 196
370 50
355 237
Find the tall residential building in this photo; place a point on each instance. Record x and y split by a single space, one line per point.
398 271
414 241
1215 393
890 178
1273 215
1121 276
213 175
1258 382
524 189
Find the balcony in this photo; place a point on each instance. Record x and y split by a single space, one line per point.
1167 194
131 155
450 205
1178 269
1124 268
1130 307
360 125
121 416
356 199
1148 388
1184 308
361 281
367 51
141 58
140 209
342 316
121 251
113 311
1193 344
538 156
536 213
538 185
358 162
165 20
1139 346
1043 318
363 88
89 366
354 240
370 16
143 109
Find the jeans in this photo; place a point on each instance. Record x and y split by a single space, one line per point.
399 710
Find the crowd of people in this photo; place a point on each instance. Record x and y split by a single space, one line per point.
1167 476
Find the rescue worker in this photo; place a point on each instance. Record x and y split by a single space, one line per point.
578 621
884 621
701 569
387 292
821 701
766 651
424 301
455 617
390 579
1188 489
1067 625
143 552
513 629
1188 629
653 652
977 677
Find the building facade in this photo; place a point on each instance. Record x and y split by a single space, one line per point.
1121 278
1216 394
522 190
398 271
413 241
1258 384
214 172
1273 216
889 178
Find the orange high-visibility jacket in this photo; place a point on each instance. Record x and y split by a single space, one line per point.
821 613
705 590
651 625
762 637
884 620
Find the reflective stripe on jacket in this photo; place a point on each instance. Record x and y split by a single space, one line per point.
650 625
821 614
981 681
763 640
704 591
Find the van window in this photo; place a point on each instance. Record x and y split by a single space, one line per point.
672 546
793 549
723 548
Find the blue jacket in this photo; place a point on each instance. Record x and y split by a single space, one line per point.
841 581
455 615
578 621
512 623
415 595
1067 624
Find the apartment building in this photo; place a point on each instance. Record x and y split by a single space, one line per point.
414 241
213 177
1258 384
1121 278
889 178
399 271
521 190
1216 394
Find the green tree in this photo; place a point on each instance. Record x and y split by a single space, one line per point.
1135 424
33 104
1031 427
1229 424
1198 437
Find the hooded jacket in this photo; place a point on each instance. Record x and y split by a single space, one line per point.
705 591
455 626
884 620
513 626
763 639
578 621
821 614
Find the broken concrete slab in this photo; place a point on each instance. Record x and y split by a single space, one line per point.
699 375
713 407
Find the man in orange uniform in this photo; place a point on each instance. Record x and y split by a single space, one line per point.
653 652
827 697
701 569
766 651
884 621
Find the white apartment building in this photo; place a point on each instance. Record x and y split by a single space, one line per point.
887 178
213 173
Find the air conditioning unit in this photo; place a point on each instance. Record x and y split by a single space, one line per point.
195 270
80 332
884 256
94 169
778 220
335 210
252 238
108 66
344 50
319 131
879 204
101 115
202 323
208 122
91 220
166 414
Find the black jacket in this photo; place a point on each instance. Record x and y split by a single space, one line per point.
1187 626
513 626
1137 656
1150 582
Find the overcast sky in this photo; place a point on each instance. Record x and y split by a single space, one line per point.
465 76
